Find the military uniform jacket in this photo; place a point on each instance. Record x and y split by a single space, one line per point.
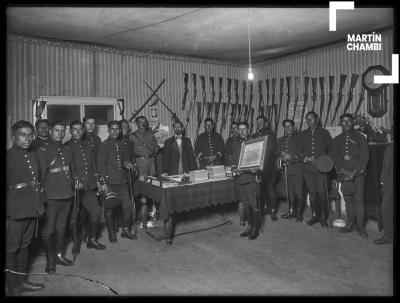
93 140
232 150
57 170
350 151
270 153
171 156
209 143
387 169
128 148
84 162
144 144
290 145
110 161
39 142
22 167
314 142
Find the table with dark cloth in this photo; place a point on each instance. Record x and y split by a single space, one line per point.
373 198
186 197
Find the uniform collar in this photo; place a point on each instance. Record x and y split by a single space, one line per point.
43 138
20 149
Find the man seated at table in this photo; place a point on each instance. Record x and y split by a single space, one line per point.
178 156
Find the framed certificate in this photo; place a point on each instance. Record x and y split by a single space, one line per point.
252 154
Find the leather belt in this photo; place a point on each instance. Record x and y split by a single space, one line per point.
58 169
143 157
22 185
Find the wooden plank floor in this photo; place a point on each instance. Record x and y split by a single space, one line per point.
288 258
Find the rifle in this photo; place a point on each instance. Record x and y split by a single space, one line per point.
296 94
209 103
201 104
237 105
185 90
288 81
306 81
191 104
250 101
260 99
76 242
251 120
212 98
174 116
226 111
314 92
353 81
281 83
360 100
217 106
273 106
322 89
147 101
331 83
243 111
342 81
268 108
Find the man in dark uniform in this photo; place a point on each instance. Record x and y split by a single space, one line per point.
57 172
386 180
89 135
42 134
86 171
178 156
232 146
315 142
24 204
112 169
209 146
145 148
350 154
246 188
269 171
288 152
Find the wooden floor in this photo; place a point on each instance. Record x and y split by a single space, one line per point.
288 258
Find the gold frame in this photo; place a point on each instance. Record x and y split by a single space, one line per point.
260 161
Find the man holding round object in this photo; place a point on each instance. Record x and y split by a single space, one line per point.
314 143
209 146
57 174
113 169
288 153
351 155
24 204
270 173
86 172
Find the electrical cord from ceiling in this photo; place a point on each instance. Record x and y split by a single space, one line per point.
156 23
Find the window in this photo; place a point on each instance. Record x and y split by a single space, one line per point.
63 113
103 113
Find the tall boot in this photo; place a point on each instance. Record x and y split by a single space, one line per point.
289 213
324 213
92 241
256 224
126 233
12 282
350 217
48 244
60 259
299 210
314 219
249 220
112 236
242 214
22 267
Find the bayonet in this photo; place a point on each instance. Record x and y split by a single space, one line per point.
313 92
288 82
185 90
342 81
322 96
353 81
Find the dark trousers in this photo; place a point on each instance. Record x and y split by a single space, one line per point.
123 192
315 183
268 192
355 209
19 234
55 217
295 187
387 212
91 203
247 194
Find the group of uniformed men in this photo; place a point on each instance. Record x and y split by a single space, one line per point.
43 173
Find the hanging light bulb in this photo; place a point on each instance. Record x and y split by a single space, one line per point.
250 75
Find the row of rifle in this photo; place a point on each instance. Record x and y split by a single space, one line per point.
240 110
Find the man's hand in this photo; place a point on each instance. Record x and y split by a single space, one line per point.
308 159
164 174
78 185
129 165
286 156
105 188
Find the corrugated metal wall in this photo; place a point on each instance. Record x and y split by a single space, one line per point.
52 69
41 67
329 60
